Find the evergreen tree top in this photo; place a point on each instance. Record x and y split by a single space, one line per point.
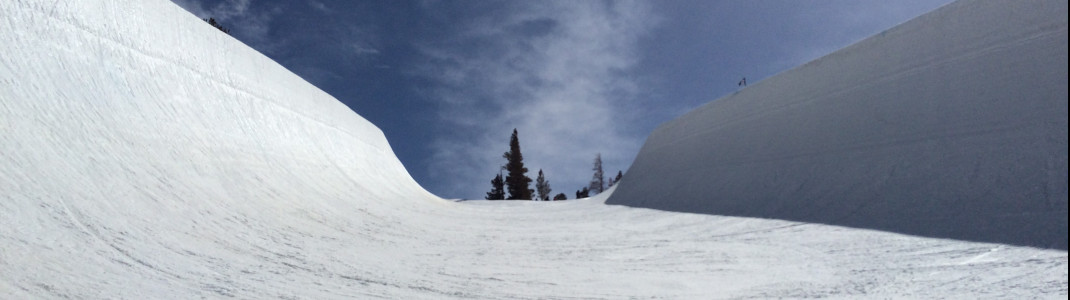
517 183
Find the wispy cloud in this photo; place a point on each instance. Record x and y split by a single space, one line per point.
362 40
360 49
559 72
319 6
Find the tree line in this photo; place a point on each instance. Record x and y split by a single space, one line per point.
516 182
212 21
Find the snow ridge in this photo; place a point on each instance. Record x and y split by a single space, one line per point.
951 125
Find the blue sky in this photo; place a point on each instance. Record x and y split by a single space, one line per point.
447 81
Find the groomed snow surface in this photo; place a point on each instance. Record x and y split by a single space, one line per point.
952 125
146 155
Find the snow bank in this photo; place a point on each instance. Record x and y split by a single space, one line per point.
140 143
951 125
91 96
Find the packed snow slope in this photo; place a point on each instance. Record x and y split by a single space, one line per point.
951 125
146 155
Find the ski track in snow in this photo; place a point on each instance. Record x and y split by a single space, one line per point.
146 155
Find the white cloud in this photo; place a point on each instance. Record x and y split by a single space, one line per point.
556 71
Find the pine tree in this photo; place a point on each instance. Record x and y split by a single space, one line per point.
615 180
560 196
542 186
584 193
497 190
598 183
516 182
